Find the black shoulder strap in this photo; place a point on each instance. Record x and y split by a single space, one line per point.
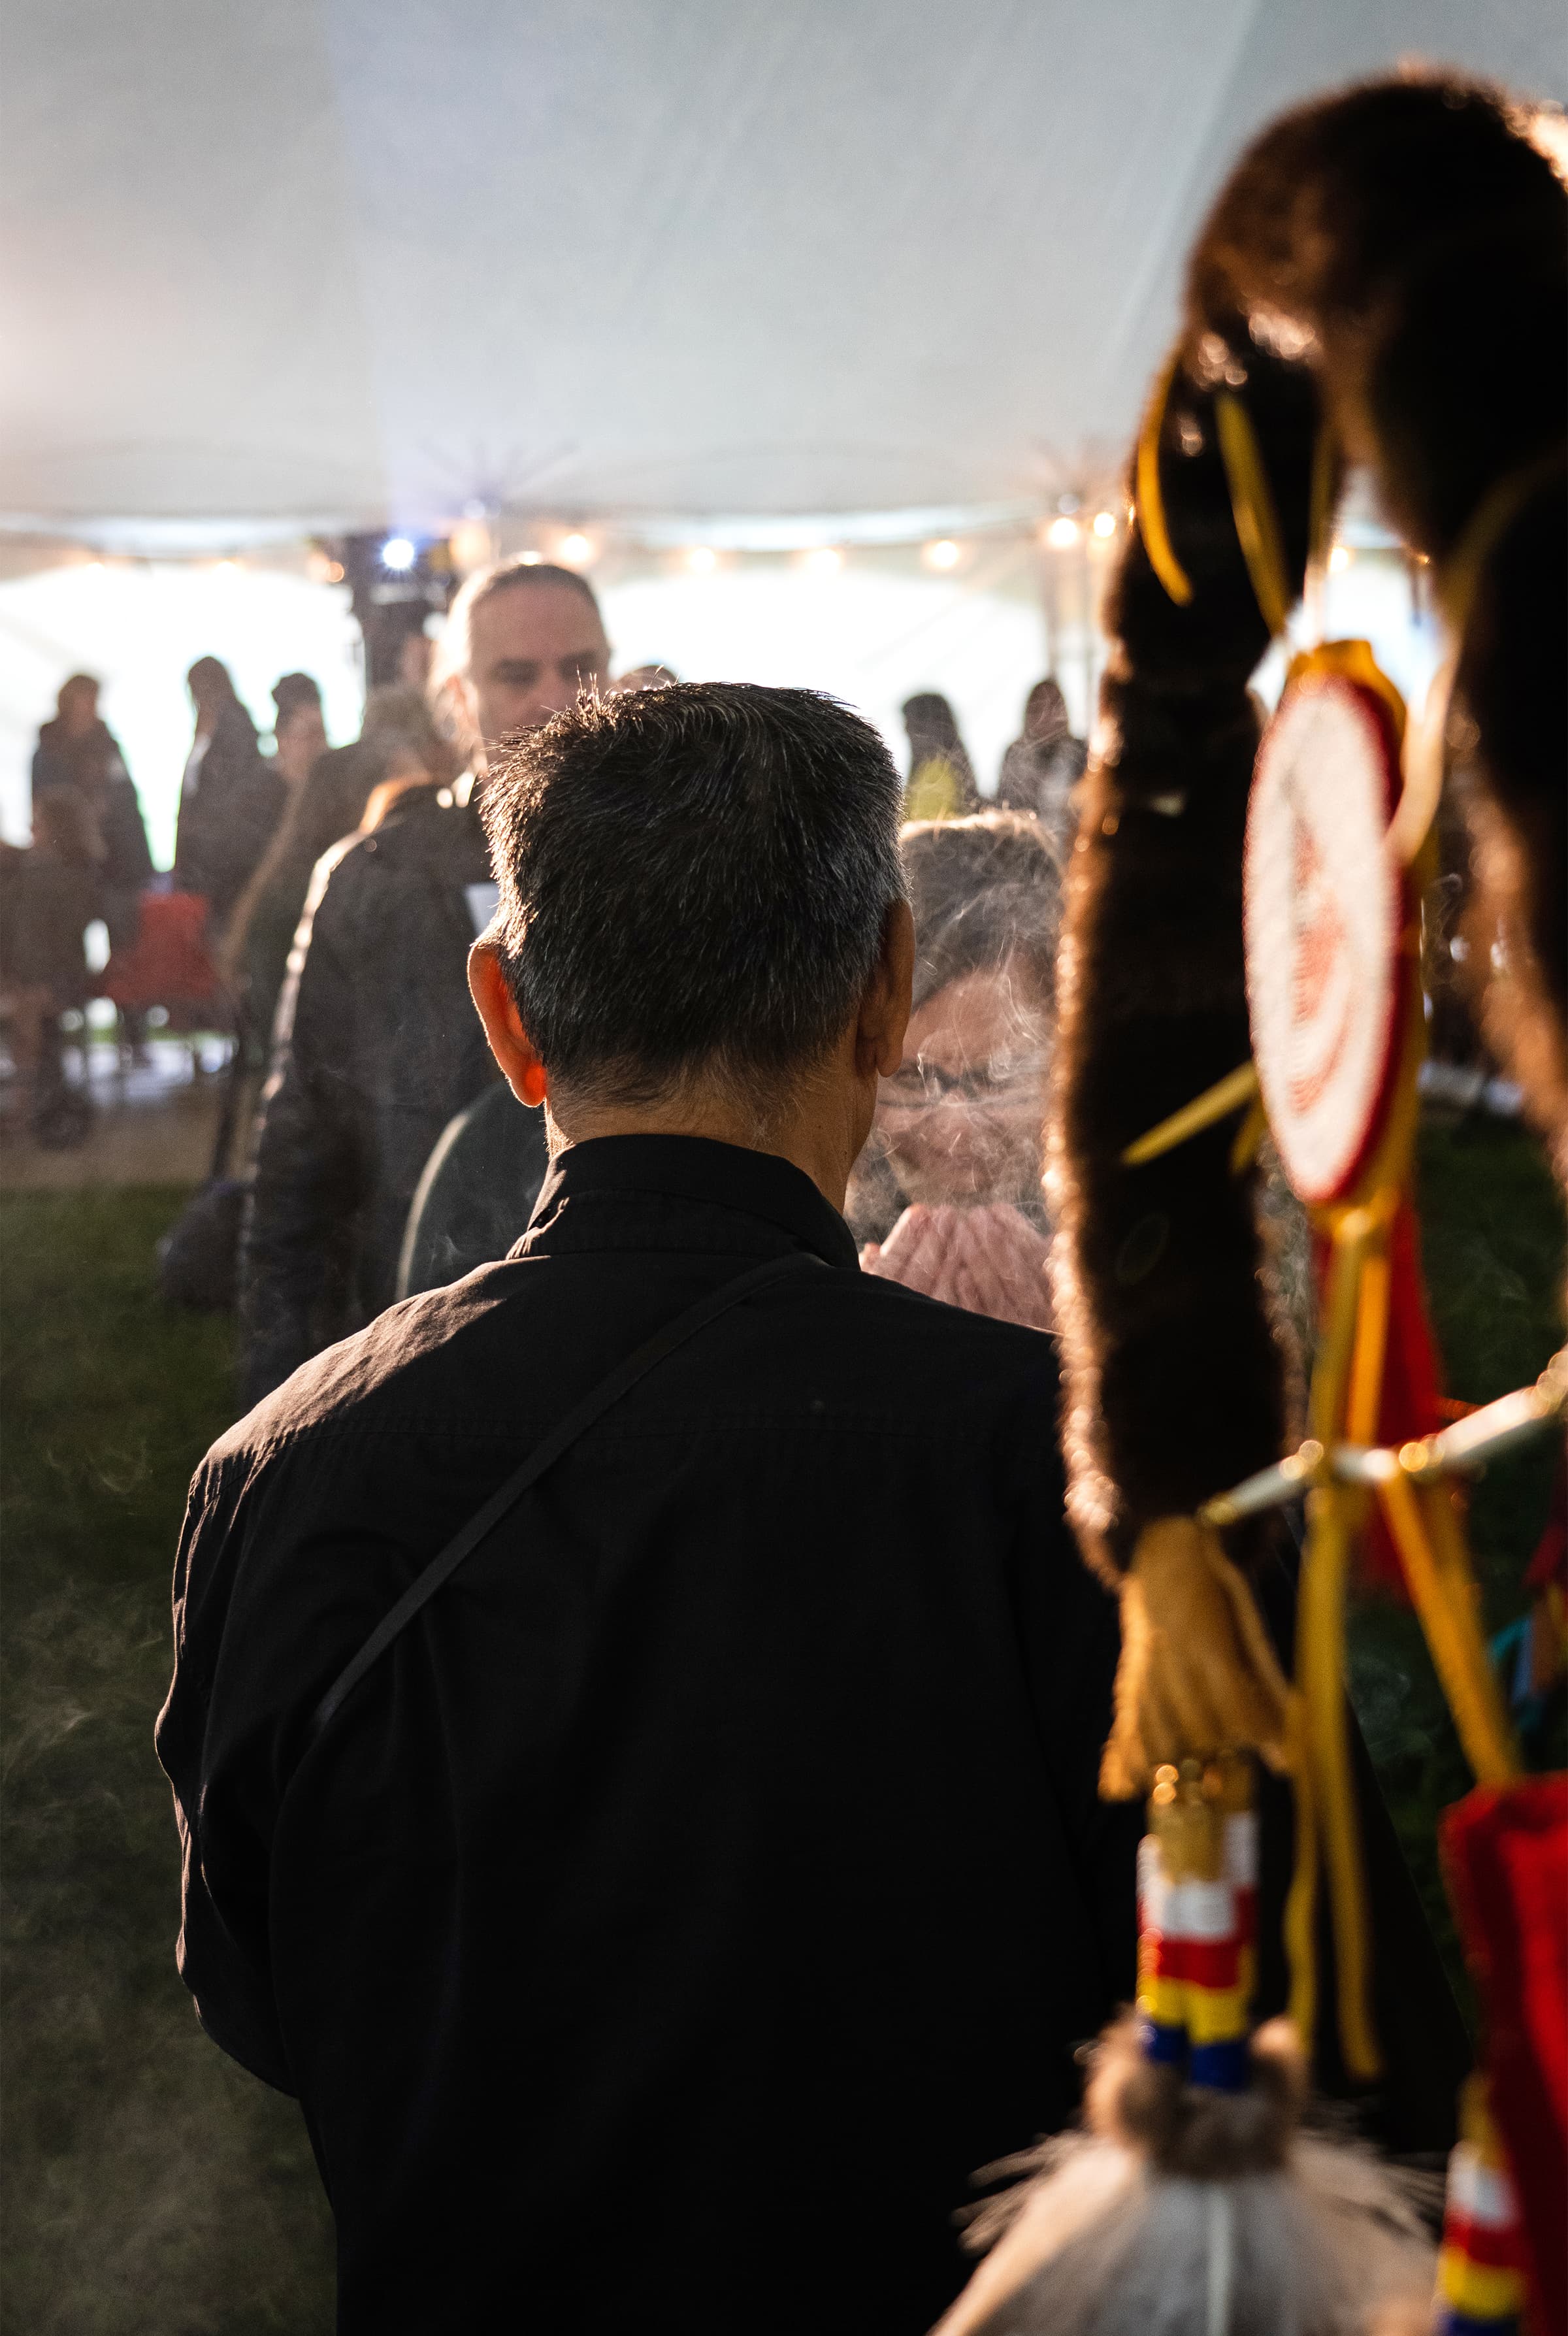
593 1407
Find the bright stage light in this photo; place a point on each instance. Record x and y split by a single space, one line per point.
228 568
1062 534
577 550
1104 523
944 553
826 560
398 552
702 560
1339 559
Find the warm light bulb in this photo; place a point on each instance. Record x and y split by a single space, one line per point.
470 546
576 549
229 568
702 560
1062 534
1339 559
530 558
824 561
944 553
1104 523
398 552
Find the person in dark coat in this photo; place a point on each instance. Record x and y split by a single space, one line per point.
375 1044
231 798
79 751
397 746
49 895
476 1193
712 1876
1041 768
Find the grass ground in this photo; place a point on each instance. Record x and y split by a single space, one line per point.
155 2190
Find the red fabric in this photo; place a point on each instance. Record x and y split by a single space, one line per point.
169 964
1506 1859
1495 2245
1207 1962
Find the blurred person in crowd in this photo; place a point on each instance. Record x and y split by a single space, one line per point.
646 1934
231 798
49 895
416 656
299 732
941 784
398 746
78 751
1041 768
946 1195
291 691
376 1046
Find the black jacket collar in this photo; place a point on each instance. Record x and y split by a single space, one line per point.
696 1168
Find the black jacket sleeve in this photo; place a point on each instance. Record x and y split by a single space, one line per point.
310 1172
223 1954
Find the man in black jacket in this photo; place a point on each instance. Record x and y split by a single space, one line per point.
377 1045
710 1876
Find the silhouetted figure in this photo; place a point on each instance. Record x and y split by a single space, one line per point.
942 782
48 896
293 693
231 799
1041 768
79 751
299 732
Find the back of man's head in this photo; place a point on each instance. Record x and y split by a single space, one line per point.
694 885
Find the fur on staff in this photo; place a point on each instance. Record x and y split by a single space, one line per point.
1391 259
1173 1383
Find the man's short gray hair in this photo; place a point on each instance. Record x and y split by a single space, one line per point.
694 881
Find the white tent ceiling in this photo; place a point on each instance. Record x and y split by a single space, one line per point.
346 262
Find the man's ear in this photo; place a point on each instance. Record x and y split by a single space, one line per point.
884 1013
491 993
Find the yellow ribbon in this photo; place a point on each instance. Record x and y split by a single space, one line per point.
1426 1533
1252 508
1215 1102
1148 497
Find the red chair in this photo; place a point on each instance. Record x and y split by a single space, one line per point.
171 966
